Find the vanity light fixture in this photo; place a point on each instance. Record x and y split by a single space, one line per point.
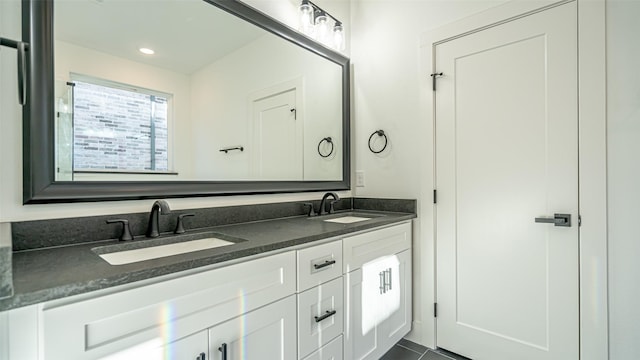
146 51
314 22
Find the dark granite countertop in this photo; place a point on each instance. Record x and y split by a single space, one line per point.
52 273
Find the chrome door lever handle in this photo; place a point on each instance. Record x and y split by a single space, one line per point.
557 219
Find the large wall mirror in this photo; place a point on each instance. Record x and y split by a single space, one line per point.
134 99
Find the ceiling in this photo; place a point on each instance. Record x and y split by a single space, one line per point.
186 35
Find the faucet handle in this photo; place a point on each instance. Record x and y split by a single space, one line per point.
331 209
180 225
126 230
310 205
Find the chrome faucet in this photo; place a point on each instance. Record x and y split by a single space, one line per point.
162 207
323 205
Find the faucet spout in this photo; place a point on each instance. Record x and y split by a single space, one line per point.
323 205
159 207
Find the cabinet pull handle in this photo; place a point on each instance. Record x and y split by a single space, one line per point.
324 264
326 315
202 356
389 271
223 350
382 285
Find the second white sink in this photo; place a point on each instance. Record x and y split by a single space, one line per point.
347 219
154 252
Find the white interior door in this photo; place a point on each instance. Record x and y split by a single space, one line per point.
277 138
507 153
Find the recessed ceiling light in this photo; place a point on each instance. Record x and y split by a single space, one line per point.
147 51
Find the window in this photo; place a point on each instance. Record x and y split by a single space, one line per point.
119 128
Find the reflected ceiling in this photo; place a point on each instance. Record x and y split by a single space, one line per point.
172 50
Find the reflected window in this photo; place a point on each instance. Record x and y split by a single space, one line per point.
121 128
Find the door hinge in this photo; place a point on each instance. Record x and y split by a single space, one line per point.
435 196
433 80
435 309
579 220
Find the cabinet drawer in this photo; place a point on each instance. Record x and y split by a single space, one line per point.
319 264
320 316
165 311
331 351
363 248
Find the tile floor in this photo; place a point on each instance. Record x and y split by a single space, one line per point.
407 350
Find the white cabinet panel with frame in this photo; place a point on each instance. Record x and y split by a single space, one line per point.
378 292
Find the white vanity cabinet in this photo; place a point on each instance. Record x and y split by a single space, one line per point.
348 298
377 291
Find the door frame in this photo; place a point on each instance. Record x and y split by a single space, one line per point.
591 176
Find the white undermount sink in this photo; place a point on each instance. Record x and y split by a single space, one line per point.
164 246
347 219
154 252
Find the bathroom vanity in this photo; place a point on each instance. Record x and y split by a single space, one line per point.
336 286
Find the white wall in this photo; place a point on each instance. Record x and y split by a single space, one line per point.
389 93
11 208
623 128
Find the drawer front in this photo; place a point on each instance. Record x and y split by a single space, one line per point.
320 316
363 248
331 351
319 264
165 311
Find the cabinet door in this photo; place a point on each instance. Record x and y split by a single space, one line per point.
193 347
361 340
265 333
398 322
378 297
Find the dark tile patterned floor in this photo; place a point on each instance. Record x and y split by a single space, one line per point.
407 350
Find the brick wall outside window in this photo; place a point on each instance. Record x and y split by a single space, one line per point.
112 129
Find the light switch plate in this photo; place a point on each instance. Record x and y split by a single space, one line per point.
359 178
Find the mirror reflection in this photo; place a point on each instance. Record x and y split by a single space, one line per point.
181 90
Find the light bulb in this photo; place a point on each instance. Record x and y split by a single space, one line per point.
338 36
322 28
306 17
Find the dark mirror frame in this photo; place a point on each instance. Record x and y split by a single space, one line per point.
39 185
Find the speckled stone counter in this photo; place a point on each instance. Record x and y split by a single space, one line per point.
55 272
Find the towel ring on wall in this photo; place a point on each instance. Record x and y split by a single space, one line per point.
328 140
386 141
